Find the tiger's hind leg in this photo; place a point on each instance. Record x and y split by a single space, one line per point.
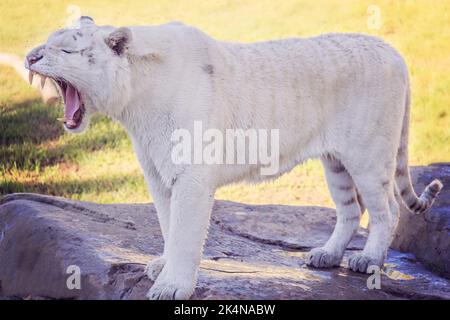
377 190
348 211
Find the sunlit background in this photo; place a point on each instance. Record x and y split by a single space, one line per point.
36 155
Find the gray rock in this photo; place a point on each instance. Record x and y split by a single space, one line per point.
253 252
427 235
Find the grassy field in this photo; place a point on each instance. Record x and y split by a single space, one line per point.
37 156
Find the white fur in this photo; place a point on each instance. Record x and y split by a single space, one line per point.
338 97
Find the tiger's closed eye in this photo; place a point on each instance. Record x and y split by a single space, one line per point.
67 51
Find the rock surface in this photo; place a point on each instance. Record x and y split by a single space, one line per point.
253 252
427 235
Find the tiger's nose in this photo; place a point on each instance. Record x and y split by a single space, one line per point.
32 59
34 56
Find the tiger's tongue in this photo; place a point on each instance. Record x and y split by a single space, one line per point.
71 102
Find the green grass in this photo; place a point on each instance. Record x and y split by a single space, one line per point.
36 155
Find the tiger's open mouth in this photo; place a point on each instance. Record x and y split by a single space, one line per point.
74 109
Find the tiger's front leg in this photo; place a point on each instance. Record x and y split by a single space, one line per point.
190 209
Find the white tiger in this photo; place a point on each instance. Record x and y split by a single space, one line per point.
343 98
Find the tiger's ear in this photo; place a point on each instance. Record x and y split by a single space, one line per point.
86 21
82 22
119 40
